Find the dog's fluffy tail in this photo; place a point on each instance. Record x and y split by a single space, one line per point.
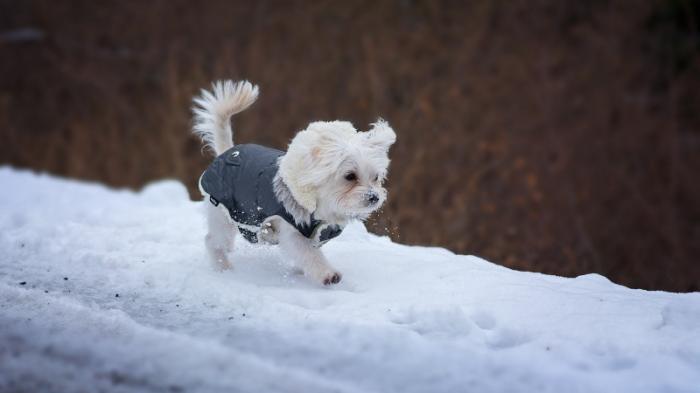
213 110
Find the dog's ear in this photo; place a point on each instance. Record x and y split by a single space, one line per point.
380 136
313 155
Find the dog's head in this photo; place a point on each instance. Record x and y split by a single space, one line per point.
335 171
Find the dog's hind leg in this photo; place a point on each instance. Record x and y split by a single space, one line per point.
220 237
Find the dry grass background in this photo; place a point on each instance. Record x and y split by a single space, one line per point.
547 135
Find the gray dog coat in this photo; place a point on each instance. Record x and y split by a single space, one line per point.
241 179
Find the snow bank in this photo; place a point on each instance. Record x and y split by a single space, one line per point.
107 290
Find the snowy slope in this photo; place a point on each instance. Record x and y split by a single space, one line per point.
405 319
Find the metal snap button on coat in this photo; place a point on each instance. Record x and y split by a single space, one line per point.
233 158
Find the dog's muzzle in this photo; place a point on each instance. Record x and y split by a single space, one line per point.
371 198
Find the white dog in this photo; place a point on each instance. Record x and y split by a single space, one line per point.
299 199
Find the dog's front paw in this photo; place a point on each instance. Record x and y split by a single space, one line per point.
332 278
325 275
322 273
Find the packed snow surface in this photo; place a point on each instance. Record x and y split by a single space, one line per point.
109 290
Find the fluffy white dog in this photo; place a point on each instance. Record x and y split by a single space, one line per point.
299 199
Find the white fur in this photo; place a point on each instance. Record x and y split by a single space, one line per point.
318 158
312 178
213 111
220 236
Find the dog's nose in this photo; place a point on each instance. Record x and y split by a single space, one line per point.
372 198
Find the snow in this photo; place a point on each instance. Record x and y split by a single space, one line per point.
109 290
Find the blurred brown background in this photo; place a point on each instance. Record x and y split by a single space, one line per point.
548 135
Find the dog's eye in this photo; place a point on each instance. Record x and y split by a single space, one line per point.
351 176
376 177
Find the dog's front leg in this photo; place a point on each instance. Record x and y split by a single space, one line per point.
309 258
